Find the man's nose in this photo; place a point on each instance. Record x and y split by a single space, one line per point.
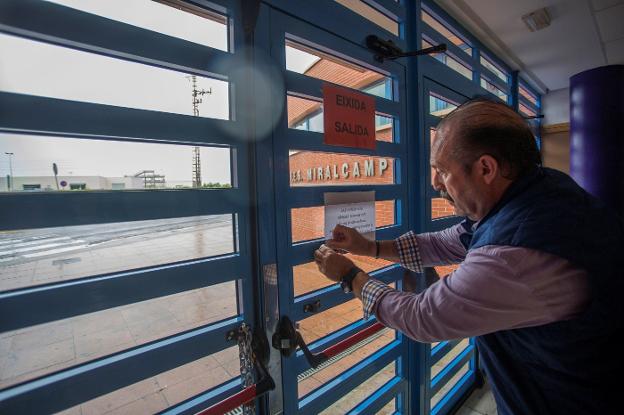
436 183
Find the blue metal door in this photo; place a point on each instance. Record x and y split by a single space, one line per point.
451 365
123 285
371 375
126 245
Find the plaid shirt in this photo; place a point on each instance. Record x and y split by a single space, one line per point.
409 256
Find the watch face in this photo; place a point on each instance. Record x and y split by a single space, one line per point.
345 287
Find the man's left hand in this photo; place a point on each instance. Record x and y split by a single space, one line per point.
332 264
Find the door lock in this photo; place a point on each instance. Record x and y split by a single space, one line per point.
287 338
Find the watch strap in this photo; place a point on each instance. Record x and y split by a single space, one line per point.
346 282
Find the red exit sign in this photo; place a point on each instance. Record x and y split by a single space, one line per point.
348 117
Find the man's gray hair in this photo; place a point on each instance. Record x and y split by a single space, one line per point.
481 126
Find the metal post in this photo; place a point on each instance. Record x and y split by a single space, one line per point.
596 113
10 181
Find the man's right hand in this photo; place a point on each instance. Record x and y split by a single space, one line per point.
351 240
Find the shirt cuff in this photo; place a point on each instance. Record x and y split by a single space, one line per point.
409 252
372 291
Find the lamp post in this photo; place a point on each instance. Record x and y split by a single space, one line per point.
10 181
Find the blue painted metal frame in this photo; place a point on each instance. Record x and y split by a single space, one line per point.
351 25
197 403
44 210
380 397
57 24
71 28
461 388
473 61
436 77
430 121
75 29
59 117
334 389
441 349
285 27
58 301
71 386
451 369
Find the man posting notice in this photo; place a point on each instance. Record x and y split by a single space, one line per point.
539 278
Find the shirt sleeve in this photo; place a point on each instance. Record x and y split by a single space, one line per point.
430 249
372 291
495 288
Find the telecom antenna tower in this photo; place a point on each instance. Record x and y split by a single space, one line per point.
197 93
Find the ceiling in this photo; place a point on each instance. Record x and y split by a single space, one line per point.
583 34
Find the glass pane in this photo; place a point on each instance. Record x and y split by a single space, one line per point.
45 348
43 69
83 164
308 223
446 388
384 128
446 31
306 114
526 111
326 322
307 277
449 61
389 409
440 106
47 255
452 354
320 65
529 96
493 89
314 168
313 379
166 389
441 208
361 392
184 21
375 16
494 68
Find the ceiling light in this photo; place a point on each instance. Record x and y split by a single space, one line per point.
537 19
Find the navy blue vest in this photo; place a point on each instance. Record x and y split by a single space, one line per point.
566 367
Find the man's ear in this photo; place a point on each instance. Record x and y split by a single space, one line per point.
487 168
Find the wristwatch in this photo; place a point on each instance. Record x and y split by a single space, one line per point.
346 282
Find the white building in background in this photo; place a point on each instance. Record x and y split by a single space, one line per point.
48 183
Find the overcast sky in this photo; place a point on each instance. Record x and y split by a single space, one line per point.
37 68
42 69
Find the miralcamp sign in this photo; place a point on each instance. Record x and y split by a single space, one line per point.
341 171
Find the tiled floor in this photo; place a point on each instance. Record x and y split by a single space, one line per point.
481 402
35 351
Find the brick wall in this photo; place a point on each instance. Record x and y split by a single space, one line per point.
441 208
308 223
300 162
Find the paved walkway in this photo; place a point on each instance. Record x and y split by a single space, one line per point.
60 254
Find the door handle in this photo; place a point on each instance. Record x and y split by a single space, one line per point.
287 338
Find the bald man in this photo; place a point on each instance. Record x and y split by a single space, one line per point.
539 277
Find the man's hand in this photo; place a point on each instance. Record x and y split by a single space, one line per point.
351 240
332 264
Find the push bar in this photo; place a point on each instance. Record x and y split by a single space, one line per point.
240 398
287 338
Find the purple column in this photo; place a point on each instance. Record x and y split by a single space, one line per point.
597 133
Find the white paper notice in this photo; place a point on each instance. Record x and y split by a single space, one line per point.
359 213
